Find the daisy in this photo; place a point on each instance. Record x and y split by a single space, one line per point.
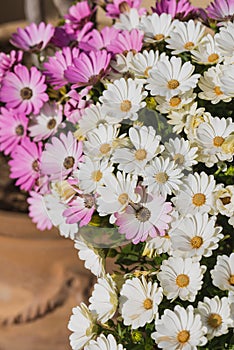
7 61
181 9
104 343
223 272
61 156
221 10
141 63
150 217
227 80
215 316
96 40
25 164
224 39
24 90
13 129
210 85
38 212
162 176
181 278
224 201
88 68
180 329
33 38
129 20
76 104
104 299
196 194
55 68
117 7
139 302
158 245
195 236
145 146
207 52
82 326
156 27
91 174
193 118
170 77
47 122
185 36
123 99
177 118
78 15
80 210
92 257
127 41
175 103
181 152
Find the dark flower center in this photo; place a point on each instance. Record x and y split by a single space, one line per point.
26 93
88 201
19 130
68 162
51 124
143 214
35 166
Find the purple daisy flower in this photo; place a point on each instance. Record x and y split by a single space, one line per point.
76 105
127 41
56 66
7 61
78 16
13 129
24 90
117 7
98 40
221 10
181 9
80 210
88 68
61 38
33 38
25 164
38 211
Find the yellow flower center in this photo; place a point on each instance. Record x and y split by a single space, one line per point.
68 162
159 37
199 199
214 320
196 242
148 304
161 177
123 198
96 175
146 72
231 280
218 141
179 159
126 105
189 45
183 336
173 84
213 58
175 101
140 154
182 280
105 148
218 91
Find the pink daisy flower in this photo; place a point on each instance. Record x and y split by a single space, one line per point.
61 156
80 210
24 90
181 9
7 61
221 10
98 40
117 7
25 164
13 129
88 68
78 16
38 211
146 218
127 41
76 105
33 38
61 38
56 66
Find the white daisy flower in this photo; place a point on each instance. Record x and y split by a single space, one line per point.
196 194
224 201
226 80
129 20
91 256
82 324
207 52
104 299
225 38
210 85
156 27
185 36
210 137
91 172
194 117
223 273
179 329
117 192
145 146
177 118
123 99
162 176
215 316
139 302
100 141
175 103
104 343
121 67
195 236
180 151
181 278
171 77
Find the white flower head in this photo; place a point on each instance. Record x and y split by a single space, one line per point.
104 343
181 278
193 118
128 20
180 329
223 272
156 27
207 52
139 302
175 103
224 201
224 39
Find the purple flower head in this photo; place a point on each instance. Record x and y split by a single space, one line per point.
78 16
24 90
181 9
80 210
38 211
13 129
33 38
99 40
7 61
25 164
76 105
127 41
61 38
117 7
57 64
88 68
221 10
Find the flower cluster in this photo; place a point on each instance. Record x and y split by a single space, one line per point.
124 139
